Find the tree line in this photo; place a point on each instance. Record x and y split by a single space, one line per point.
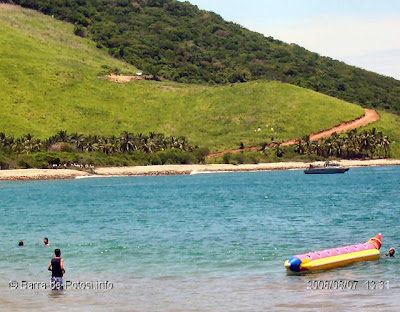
368 143
124 143
156 149
180 42
126 149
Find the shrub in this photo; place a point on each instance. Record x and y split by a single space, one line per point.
155 159
173 156
4 162
23 164
238 158
80 31
227 158
200 154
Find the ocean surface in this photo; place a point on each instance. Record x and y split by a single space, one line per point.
205 242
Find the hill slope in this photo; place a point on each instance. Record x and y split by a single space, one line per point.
49 81
178 41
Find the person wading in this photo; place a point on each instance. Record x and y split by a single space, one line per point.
56 266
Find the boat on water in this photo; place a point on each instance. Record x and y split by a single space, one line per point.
335 257
328 168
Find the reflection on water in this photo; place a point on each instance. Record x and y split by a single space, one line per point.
56 294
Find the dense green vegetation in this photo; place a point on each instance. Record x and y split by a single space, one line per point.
368 143
125 149
82 152
52 80
389 126
355 144
180 42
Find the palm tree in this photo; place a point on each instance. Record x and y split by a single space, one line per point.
329 149
2 138
159 141
91 146
62 136
300 148
352 134
368 142
126 142
319 148
338 147
140 141
384 144
80 141
278 150
351 146
307 144
149 146
115 144
182 143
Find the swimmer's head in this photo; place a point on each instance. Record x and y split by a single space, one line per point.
46 241
391 252
20 243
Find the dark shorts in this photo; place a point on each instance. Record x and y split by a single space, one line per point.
57 283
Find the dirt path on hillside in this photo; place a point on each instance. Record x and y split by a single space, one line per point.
369 117
123 79
127 78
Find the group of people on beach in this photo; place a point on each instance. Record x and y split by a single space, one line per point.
56 266
76 165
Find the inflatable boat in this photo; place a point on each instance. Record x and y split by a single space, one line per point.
332 258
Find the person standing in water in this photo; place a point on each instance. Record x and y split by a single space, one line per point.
46 241
56 266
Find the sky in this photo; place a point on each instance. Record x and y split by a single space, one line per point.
363 33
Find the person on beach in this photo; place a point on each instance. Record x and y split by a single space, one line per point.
20 243
46 241
56 266
391 253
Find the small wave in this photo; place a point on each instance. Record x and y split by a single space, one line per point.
94 176
208 172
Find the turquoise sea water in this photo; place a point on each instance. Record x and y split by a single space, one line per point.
206 242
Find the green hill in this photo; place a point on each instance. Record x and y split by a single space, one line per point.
52 80
180 42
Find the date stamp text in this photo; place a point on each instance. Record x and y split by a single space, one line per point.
347 284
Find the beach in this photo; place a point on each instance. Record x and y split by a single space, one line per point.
60 174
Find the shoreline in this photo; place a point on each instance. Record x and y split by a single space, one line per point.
62 174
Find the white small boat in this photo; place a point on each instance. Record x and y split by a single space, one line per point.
327 168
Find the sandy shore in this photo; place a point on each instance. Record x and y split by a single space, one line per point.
40 174
52 174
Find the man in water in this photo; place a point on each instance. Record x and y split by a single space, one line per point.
21 243
56 266
391 252
46 241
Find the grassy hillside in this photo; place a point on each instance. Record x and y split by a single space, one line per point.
49 81
180 42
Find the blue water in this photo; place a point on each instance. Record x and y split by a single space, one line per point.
206 242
